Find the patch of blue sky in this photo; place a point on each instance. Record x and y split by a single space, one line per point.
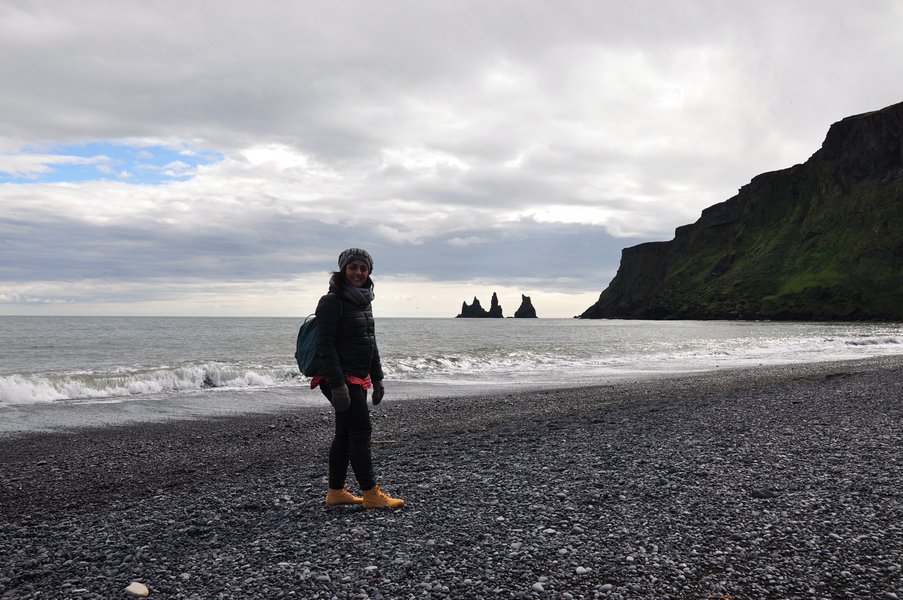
104 160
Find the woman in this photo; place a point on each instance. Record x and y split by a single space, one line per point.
349 366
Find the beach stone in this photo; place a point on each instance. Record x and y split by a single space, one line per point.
268 552
137 590
538 587
763 493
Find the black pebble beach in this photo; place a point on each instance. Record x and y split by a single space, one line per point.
775 482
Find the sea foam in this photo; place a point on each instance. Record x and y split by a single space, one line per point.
31 389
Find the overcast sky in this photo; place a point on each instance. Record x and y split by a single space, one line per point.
195 158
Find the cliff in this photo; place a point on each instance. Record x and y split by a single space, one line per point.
525 310
818 241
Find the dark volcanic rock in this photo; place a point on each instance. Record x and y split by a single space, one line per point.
818 241
495 310
472 311
526 310
631 491
476 310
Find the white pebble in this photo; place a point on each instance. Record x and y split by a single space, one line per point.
137 590
537 587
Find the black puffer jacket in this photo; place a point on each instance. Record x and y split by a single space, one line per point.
346 335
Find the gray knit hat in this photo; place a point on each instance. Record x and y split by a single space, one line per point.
355 254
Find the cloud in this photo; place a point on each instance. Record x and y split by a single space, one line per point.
14 297
525 142
470 240
396 296
31 166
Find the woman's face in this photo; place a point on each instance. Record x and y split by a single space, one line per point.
357 272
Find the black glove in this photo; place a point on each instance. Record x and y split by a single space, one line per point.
340 398
378 392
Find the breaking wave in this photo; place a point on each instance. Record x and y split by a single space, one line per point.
444 353
32 389
874 341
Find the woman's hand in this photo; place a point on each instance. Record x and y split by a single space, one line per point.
378 392
340 398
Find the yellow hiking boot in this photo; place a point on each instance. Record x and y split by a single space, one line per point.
342 496
375 497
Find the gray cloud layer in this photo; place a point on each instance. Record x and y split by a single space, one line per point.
512 140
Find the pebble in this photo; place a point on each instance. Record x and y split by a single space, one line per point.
647 504
137 589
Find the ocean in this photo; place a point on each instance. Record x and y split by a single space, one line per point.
135 368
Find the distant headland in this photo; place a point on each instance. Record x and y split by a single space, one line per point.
818 241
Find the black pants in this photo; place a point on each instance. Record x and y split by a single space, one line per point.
351 444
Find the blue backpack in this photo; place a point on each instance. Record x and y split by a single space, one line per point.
306 346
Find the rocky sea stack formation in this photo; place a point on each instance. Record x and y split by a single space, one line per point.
818 241
476 311
526 310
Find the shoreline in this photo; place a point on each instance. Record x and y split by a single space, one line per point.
766 482
71 416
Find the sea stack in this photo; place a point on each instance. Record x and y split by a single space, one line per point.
526 310
476 310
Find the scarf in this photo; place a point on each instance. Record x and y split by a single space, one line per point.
358 296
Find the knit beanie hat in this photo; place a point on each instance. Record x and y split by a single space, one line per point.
355 254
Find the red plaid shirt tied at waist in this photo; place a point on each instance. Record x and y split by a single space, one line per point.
364 383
